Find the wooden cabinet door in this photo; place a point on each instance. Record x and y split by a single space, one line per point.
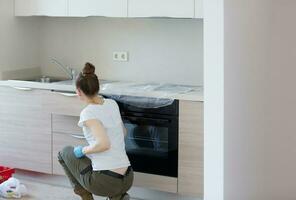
65 133
161 8
62 104
59 141
155 182
108 8
190 177
25 130
199 8
41 7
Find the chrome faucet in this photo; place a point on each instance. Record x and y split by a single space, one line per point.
69 71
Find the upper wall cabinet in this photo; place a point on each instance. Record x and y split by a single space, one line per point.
199 8
162 8
108 8
41 7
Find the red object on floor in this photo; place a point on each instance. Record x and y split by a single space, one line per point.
5 173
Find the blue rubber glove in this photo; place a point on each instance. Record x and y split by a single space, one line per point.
78 152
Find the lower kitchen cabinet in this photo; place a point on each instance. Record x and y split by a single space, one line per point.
156 182
25 130
191 162
65 133
66 124
63 103
35 125
59 141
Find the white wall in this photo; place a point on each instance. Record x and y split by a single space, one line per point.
214 99
247 31
161 50
249 143
260 139
19 39
280 102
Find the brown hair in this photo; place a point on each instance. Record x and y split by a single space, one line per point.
88 81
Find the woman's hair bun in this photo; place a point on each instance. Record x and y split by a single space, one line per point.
87 81
89 69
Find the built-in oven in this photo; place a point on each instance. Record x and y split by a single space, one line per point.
152 139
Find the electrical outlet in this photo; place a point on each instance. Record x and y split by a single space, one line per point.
121 56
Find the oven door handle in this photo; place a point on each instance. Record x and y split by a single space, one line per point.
146 120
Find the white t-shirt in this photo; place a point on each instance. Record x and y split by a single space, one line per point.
109 115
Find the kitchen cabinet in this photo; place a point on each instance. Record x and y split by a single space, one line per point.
25 130
41 8
108 8
161 8
63 103
65 133
59 141
190 173
156 182
198 9
37 124
30 134
66 124
65 109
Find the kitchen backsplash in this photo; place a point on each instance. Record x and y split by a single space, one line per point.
160 50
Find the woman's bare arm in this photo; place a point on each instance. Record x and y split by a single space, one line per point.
102 141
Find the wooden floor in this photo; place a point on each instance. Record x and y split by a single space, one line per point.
40 191
47 187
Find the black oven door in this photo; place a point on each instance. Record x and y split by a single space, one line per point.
152 144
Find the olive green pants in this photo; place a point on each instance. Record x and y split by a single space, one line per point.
101 183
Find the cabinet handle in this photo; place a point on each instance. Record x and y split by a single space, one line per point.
77 136
23 88
67 94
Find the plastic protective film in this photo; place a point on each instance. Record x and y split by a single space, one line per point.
159 95
142 102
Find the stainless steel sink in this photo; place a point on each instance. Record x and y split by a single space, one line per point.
54 80
46 79
72 82
64 82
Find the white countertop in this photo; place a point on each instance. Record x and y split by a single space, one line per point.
170 91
